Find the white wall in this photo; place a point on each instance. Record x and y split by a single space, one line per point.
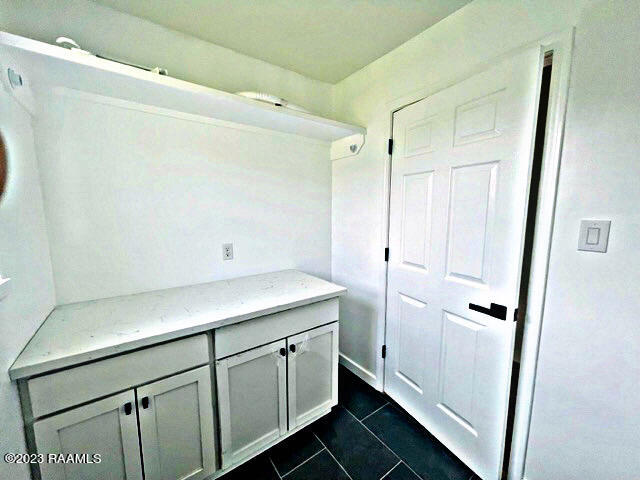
585 422
138 198
357 258
102 30
24 257
585 411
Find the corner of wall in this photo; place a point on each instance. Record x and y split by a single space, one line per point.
24 257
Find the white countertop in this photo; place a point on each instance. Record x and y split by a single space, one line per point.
80 332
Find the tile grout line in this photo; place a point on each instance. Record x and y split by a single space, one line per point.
361 422
334 458
393 404
274 467
399 462
367 429
375 411
298 466
413 471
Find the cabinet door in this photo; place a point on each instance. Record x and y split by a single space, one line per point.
107 427
176 426
252 400
312 373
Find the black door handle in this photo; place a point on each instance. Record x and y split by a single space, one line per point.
145 402
292 347
495 310
127 408
283 352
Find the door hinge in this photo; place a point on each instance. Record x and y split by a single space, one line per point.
390 146
386 254
515 315
384 351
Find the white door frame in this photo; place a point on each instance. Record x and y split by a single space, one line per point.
562 46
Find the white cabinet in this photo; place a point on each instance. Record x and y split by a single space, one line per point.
176 426
136 386
267 391
252 399
176 431
107 427
312 373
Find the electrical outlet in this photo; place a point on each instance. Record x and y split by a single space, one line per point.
227 251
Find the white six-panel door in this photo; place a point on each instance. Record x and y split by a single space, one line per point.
107 427
176 426
459 187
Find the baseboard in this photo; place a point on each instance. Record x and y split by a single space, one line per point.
358 370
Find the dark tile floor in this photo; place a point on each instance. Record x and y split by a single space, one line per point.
366 437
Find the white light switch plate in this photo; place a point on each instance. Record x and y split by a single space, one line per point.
594 235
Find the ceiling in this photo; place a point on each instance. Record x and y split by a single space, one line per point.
323 39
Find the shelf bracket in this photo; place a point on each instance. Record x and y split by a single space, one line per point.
347 146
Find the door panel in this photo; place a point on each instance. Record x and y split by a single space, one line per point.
458 367
176 426
471 218
477 120
418 137
411 326
252 398
459 186
313 373
103 427
416 219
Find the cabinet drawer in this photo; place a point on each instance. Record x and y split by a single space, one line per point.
260 331
66 388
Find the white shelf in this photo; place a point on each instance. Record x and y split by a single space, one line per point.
44 67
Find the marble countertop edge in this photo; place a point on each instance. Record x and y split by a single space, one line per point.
28 365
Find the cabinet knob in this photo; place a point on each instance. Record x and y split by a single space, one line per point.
127 408
283 352
145 402
292 347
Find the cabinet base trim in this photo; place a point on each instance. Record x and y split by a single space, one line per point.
222 471
313 414
256 445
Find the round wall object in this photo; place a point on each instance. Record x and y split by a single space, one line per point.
3 167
